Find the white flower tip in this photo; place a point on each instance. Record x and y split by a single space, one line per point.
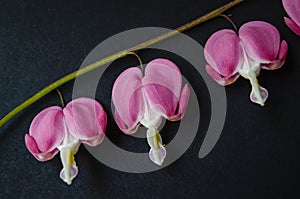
259 95
70 170
69 175
158 155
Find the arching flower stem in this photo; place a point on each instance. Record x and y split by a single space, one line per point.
123 53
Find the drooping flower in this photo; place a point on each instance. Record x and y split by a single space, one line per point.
57 129
292 7
256 46
145 99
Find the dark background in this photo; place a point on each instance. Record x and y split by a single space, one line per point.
257 155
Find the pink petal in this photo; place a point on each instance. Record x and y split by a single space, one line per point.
183 102
292 25
47 130
282 55
123 126
128 99
224 81
162 85
165 73
34 150
292 7
86 120
283 50
261 41
223 52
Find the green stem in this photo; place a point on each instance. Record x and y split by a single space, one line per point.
116 56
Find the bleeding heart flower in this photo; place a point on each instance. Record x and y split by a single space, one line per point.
145 99
55 129
256 46
292 7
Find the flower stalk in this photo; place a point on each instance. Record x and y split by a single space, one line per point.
123 53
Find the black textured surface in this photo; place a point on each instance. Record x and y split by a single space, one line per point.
257 155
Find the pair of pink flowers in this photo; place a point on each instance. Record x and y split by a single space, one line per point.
138 99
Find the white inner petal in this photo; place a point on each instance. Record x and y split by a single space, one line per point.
249 67
151 118
157 152
68 149
250 70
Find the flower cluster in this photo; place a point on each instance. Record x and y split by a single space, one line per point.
145 97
